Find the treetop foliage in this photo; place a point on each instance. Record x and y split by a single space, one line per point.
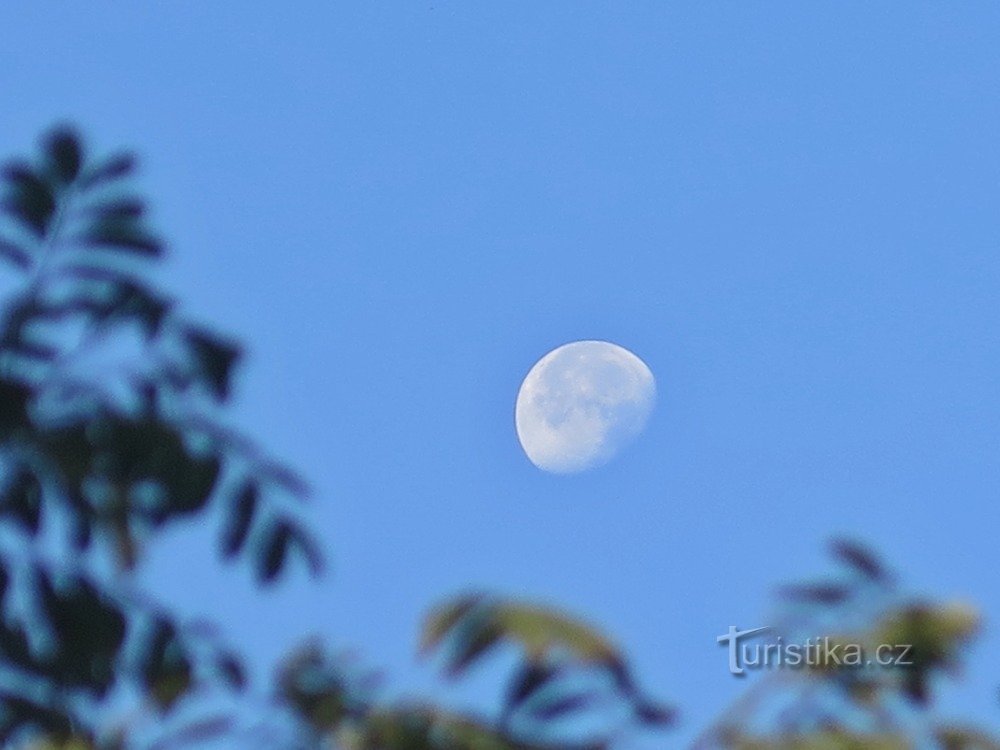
112 429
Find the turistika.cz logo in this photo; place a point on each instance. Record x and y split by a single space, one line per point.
822 652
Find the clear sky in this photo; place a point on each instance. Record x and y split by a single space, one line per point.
790 211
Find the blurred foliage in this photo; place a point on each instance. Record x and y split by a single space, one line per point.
112 406
833 703
567 670
112 429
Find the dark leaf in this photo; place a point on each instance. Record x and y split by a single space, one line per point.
22 500
173 683
18 712
121 209
916 688
15 647
622 676
473 642
125 544
89 628
232 670
653 714
65 154
237 529
191 488
15 254
82 533
274 552
32 349
818 593
307 545
166 668
161 635
122 234
529 678
114 168
137 301
285 477
14 397
442 619
558 707
29 197
214 357
196 732
130 297
861 559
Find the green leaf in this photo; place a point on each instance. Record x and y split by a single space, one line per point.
166 668
472 620
316 688
552 641
173 683
953 737
474 643
443 618
422 728
539 630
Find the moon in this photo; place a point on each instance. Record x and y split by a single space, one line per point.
581 404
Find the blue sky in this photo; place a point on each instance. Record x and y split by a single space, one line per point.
788 210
